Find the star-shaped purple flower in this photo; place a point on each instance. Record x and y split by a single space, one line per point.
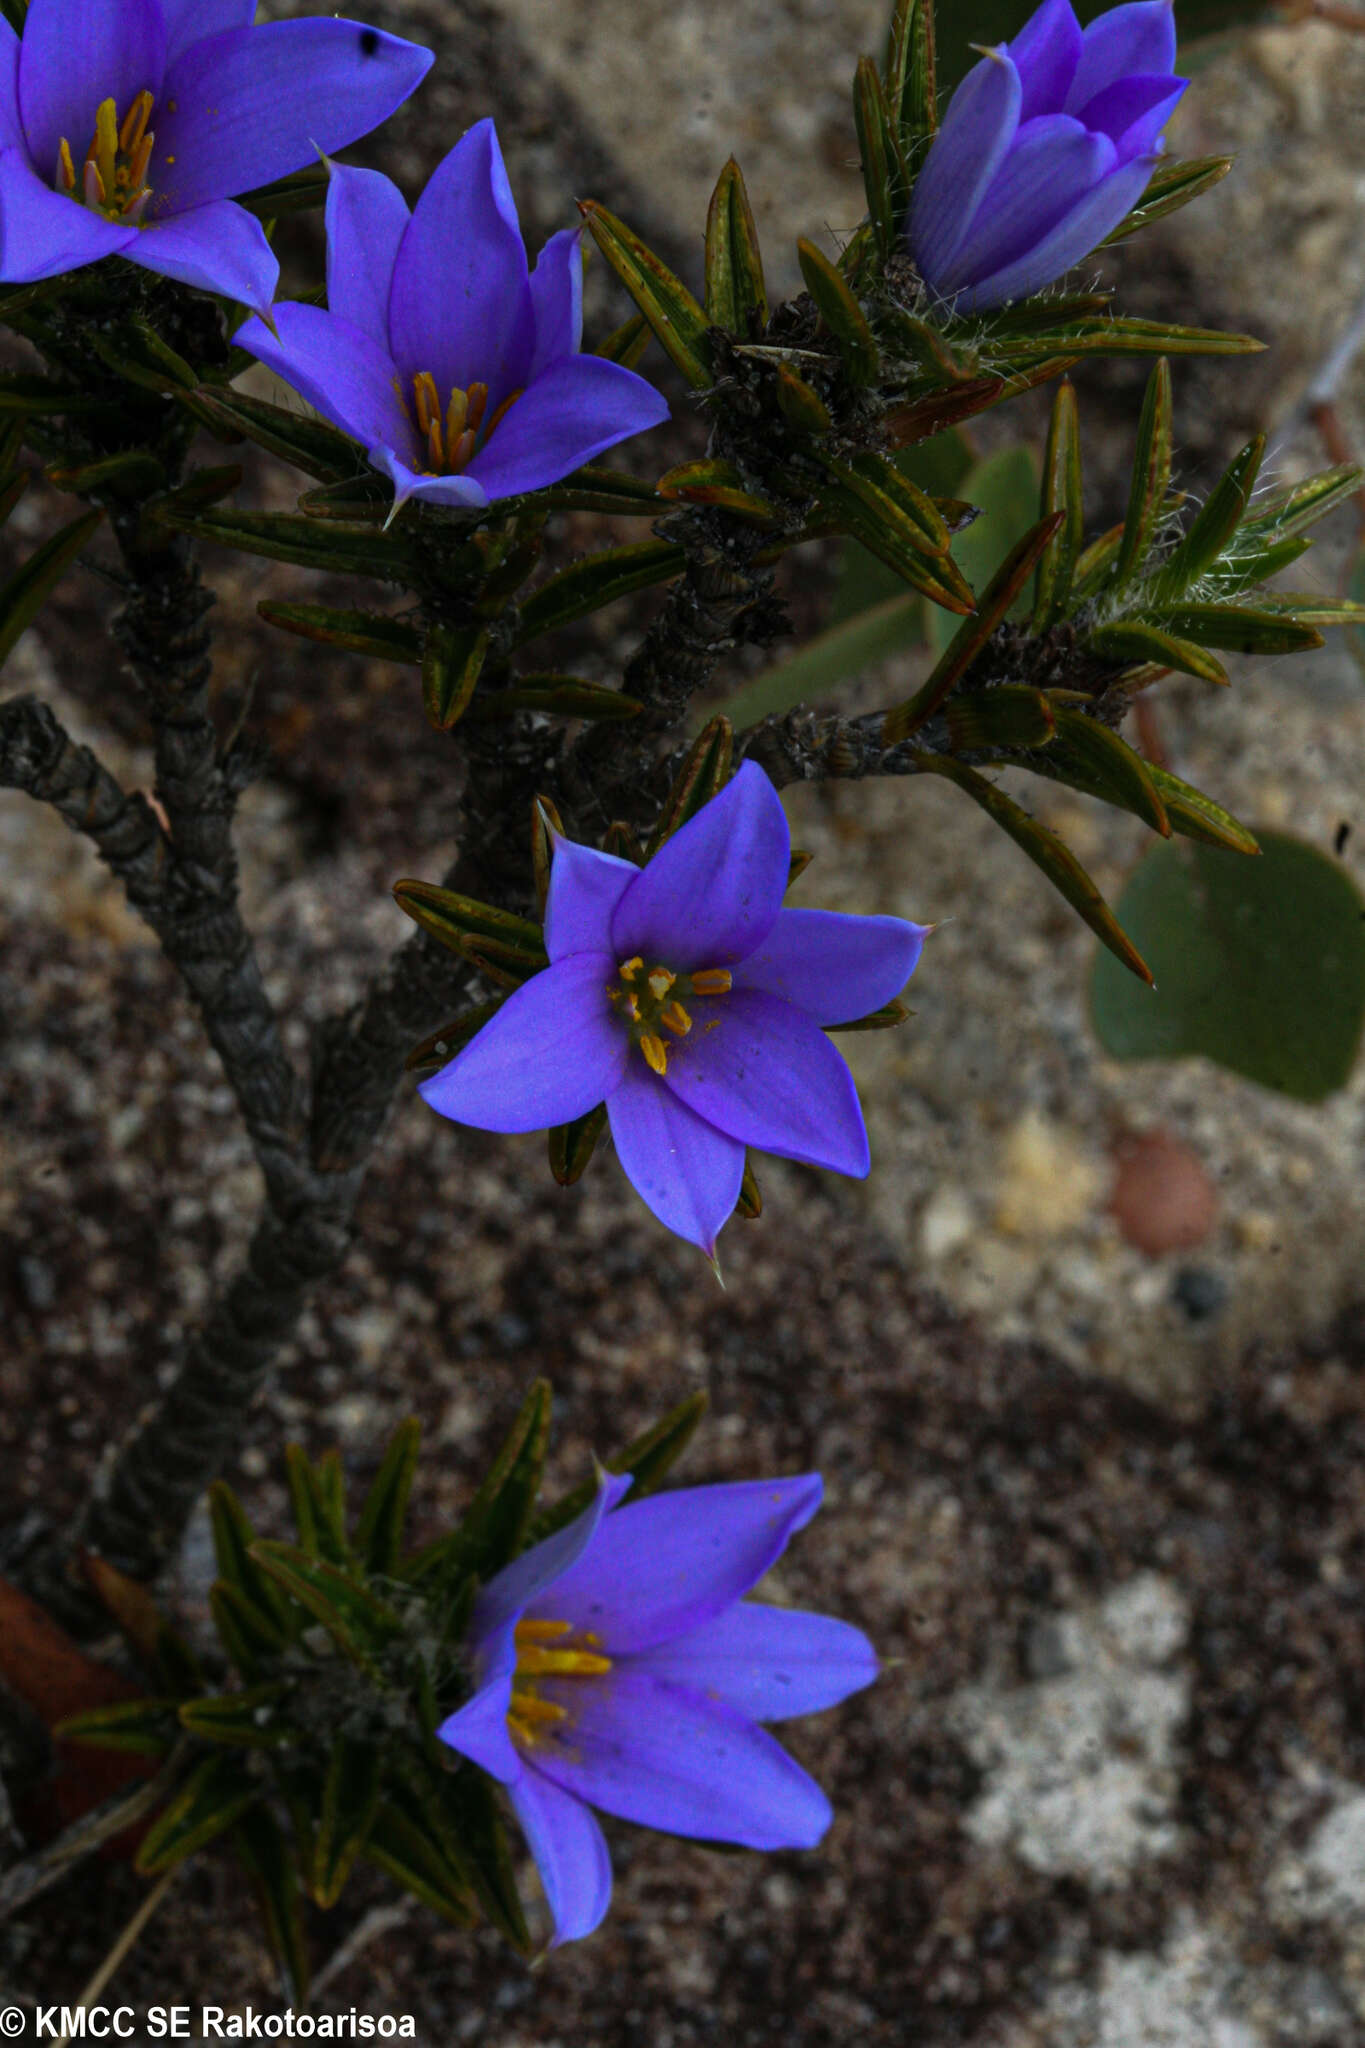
455 368
1047 143
688 1000
618 1665
128 126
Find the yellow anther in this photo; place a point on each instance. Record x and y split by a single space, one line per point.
712 981
660 982
457 415
103 151
93 185
135 123
535 1662
532 1631
478 405
633 1009
66 170
436 445
427 403
526 1708
655 1052
675 1019
461 451
142 157
630 968
501 412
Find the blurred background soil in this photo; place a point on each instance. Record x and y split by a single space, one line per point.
1102 1508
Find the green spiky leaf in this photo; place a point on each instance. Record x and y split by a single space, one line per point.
678 322
214 1796
358 632
735 290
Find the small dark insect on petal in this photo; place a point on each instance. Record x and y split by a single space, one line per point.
1343 833
369 41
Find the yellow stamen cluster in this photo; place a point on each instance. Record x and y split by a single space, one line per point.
453 436
543 1652
653 1001
113 177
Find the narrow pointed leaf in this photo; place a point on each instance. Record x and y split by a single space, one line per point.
340 546
233 1537
862 508
468 1804
1133 641
546 826
597 580
132 473
145 1727
212 1798
12 490
910 83
557 695
265 1856
492 1529
885 179
1047 852
30 396
649 1458
735 291
713 481
886 1019
300 438
1305 504
299 192
1008 717
452 658
379 1532
800 403
1171 185
677 320
239 1720
23 597
366 499
1197 816
603 490
1243 629
1121 336
350 1799
205 487
922 417
1151 474
358 632
705 770
437 1050
1117 774
1061 492
841 313
572 1145
318 1508
995 601
455 919
350 1612
251 1637
409 1853
1095 564
1218 520
749 1203
627 343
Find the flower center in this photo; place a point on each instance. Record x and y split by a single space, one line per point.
454 436
548 1649
113 178
653 1000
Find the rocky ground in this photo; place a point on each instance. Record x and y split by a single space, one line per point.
1102 1511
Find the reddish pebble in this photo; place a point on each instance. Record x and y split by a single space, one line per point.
1164 1199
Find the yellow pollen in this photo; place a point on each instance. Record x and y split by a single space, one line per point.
712 981
660 982
674 1018
535 1662
113 177
630 968
655 1052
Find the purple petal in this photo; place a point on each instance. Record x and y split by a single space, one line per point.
366 219
1053 162
1136 38
1046 52
832 965
217 248
550 1054
965 155
663 1566
761 1070
479 1730
1074 236
341 371
257 103
570 1853
767 1662
576 409
461 491
671 1759
190 21
75 54
687 1172
532 1578
711 894
461 302
42 232
11 127
1134 112
585 888
557 299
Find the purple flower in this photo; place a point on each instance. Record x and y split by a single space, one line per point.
1047 143
618 1665
127 127
684 997
456 370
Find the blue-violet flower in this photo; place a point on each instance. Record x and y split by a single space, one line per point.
618 1665
1047 143
688 1000
187 105
457 371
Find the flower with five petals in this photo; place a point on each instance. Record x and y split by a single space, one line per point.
617 1665
454 366
127 127
688 1000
